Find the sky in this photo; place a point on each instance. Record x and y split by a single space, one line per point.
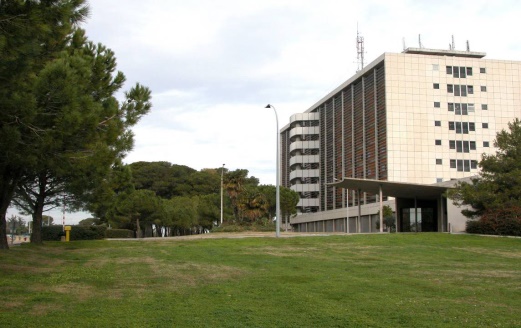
213 66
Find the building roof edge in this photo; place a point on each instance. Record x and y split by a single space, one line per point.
439 52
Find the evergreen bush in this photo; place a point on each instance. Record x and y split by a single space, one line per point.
119 233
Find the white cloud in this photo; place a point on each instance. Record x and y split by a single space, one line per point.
213 65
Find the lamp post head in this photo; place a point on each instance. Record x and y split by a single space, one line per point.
268 106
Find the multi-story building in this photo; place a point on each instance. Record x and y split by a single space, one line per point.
419 117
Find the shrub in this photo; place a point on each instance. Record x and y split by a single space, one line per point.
87 232
504 222
55 232
242 228
52 233
119 233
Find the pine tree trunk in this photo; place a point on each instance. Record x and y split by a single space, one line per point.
36 237
3 229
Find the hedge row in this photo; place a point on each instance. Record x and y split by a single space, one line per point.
55 232
119 233
504 226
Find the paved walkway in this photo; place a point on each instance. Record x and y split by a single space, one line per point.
247 234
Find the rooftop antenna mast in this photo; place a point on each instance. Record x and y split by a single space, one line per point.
468 46
360 50
420 41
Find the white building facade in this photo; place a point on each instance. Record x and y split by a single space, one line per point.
422 117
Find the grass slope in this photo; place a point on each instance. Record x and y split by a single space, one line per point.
389 280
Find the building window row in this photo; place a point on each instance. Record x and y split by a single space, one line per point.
460 90
461 108
462 146
463 165
459 71
462 127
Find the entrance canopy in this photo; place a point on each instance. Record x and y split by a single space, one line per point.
393 189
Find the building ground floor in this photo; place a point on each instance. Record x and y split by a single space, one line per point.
416 208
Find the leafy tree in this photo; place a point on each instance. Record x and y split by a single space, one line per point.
138 209
388 219
252 204
235 183
182 213
111 190
17 225
498 187
84 129
47 220
34 33
288 203
89 222
209 209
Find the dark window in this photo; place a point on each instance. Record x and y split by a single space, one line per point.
484 125
472 145
466 147
451 125
436 104
472 126
486 144
437 142
484 106
482 70
470 89
469 71
437 123
456 90
436 85
450 88
452 163
457 109
439 161
466 166
452 144
462 72
473 164
459 146
464 109
463 90
483 88
450 106
455 71
449 69
465 126
459 164
458 127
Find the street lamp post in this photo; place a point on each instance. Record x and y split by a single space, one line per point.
277 182
222 176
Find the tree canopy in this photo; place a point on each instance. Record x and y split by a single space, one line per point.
184 199
498 186
63 125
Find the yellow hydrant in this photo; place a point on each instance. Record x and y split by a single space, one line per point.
67 232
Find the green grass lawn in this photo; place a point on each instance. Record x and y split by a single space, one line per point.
388 280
